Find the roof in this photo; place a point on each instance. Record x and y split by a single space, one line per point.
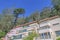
37 21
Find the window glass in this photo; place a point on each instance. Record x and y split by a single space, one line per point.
44 27
45 35
25 30
56 24
20 31
57 33
17 37
42 36
49 36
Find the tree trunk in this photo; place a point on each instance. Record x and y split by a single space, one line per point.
15 21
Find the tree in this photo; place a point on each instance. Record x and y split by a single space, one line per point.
6 19
26 20
45 13
56 6
16 14
55 2
34 16
20 21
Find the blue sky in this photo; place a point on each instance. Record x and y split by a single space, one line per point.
29 5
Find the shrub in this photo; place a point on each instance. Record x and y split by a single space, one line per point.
58 38
31 36
2 34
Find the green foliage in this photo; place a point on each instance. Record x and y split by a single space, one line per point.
16 14
46 13
19 11
58 38
2 34
55 2
6 21
31 36
8 15
35 16
0 39
56 6
26 20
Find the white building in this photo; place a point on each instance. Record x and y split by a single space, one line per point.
48 29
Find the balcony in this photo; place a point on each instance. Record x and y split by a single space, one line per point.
45 30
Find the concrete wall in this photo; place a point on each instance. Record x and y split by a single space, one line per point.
55 27
52 28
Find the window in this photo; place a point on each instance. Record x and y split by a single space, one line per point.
57 33
49 36
20 31
45 35
42 36
56 24
24 30
17 37
43 22
44 27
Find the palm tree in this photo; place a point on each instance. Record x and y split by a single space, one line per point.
16 14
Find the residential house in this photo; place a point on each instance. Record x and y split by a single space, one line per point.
48 29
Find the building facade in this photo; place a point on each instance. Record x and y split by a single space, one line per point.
48 29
